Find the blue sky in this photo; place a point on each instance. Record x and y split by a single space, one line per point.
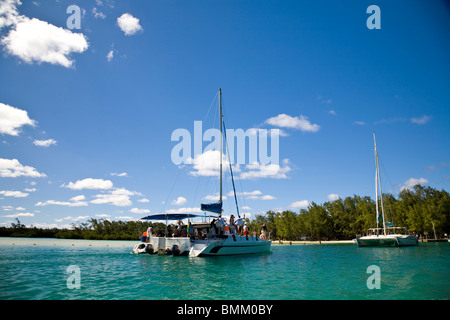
86 115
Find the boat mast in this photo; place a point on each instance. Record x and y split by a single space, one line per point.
221 147
378 183
376 195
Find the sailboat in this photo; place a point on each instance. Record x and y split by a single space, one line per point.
387 235
215 238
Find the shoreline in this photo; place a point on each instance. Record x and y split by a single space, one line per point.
18 241
297 242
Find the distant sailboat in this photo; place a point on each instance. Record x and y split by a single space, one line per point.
217 238
387 235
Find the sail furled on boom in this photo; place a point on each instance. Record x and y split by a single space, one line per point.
212 207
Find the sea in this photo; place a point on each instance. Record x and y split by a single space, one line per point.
55 269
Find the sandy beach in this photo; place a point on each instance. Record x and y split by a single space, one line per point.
287 242
7 241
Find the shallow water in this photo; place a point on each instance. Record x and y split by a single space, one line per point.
109 271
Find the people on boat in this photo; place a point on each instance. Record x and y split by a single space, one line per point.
263 232
213 227
227 230
144 237
200 234
245 229
232 222
239 223
149 232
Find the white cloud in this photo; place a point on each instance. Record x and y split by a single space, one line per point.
143 200
21 214
30 189
33 40
185 210
118 197
179 201
20 209
98 14
214 197
89 183
129 24
324 100
139 211
9 14
72 218
110 55
360 123
44 143
247 194
14 194
11 168
62 203
123 218
274 171
12 119
411 182
299 204
246 208
252 195
123 174
422 120
301 123
207 163
333 197
78 198
103 215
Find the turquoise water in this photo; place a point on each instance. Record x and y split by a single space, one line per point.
288 272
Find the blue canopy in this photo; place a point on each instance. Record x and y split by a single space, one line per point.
171 216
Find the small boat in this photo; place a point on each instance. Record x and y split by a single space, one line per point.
388 235
215 238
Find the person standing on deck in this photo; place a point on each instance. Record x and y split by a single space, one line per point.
245 229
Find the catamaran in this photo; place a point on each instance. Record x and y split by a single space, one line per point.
387 235
215 238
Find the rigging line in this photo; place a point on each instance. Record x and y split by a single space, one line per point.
212 103
387 203
385 173
196 191
176 179
231 170
241 197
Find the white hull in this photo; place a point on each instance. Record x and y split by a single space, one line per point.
390 240
233 245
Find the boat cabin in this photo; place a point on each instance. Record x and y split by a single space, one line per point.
389 230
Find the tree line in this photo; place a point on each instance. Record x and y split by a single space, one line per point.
423 210
93 229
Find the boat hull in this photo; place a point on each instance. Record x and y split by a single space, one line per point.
387 241
233 245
